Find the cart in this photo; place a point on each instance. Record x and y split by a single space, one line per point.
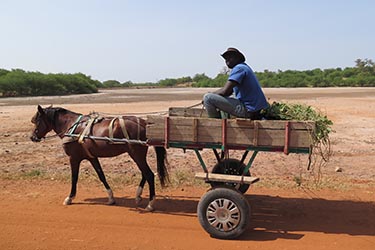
223 211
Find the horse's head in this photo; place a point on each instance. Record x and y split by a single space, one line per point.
43 124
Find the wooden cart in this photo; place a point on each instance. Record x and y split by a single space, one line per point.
223 211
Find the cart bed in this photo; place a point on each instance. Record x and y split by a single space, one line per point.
200 132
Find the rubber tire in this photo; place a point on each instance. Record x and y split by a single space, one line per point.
232 195
235 168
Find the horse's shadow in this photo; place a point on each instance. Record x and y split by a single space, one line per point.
174 205
274 217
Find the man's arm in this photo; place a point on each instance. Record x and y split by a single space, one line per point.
227 90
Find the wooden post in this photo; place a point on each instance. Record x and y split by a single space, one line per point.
166 132
195 130
255 139
287 133
224 134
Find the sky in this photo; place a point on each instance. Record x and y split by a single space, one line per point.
150 40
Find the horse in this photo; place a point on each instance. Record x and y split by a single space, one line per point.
77 132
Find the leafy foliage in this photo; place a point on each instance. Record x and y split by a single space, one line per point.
321 150
363 75
300 112
201 80
18 82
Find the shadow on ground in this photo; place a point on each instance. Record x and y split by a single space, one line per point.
274 217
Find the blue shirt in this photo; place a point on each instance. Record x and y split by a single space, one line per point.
248 89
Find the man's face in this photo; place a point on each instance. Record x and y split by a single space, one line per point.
231 60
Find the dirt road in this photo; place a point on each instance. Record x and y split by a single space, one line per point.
339 214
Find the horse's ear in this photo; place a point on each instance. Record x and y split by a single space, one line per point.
40 109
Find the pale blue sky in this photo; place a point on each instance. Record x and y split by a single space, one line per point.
151 40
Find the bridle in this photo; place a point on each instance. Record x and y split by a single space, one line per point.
36 120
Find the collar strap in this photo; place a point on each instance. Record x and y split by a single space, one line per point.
71 131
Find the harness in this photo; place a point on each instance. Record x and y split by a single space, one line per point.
71 136
122 125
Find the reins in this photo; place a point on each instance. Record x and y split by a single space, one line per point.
70 131
164 112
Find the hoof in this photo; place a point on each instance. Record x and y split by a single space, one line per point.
149 208
67 201
111 202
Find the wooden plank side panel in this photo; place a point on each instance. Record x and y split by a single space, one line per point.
207 130
155 127
298 138
236 123
185 134
272 124
268 137
187 112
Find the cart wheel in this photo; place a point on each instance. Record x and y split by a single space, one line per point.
230 167
224 213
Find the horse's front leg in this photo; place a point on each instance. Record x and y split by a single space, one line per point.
74 167
96 164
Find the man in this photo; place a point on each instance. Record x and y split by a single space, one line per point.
248 98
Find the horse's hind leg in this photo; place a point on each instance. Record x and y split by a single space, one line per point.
74 167
150 177
139 156
96 164
138 194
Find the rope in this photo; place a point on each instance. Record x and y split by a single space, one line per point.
107 115
195 105
134 113
143 113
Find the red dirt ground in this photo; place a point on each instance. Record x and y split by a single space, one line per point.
338 214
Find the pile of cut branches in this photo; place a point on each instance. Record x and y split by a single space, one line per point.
302 112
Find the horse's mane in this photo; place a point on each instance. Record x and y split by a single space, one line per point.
52 112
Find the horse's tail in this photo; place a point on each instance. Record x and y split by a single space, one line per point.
161 155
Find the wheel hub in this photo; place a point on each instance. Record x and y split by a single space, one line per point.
223 214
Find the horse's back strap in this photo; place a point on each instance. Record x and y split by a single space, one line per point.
123 128
86 131
122 125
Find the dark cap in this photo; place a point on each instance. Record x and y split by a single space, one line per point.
233 51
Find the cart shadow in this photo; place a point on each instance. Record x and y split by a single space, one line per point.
274 217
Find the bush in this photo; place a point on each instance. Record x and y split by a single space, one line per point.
20 83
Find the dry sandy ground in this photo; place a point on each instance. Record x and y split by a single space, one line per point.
338 214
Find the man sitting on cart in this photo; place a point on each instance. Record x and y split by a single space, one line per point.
248 99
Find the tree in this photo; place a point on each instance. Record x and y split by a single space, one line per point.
200 77
111 84
168 82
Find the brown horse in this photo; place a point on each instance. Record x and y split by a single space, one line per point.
78 131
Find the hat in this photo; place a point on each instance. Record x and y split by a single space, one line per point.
233 51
